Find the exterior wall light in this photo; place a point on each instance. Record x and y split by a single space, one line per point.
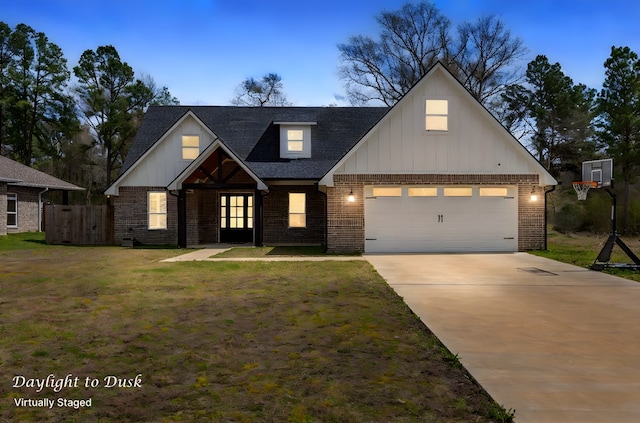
534 196
351 198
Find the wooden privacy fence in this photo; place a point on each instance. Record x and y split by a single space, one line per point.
78 225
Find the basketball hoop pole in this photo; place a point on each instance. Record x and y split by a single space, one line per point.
602 261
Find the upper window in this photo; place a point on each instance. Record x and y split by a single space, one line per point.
157 210
295 140
12 210
437 115
297 210
190 147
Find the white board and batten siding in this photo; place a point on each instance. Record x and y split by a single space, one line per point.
164 162
475 142
475 222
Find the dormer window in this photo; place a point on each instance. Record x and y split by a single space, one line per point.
190 147
295 139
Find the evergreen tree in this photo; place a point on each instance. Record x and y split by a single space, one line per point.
619 118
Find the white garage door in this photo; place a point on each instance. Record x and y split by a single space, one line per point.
441 219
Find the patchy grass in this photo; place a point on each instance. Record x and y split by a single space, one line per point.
581 249
221 341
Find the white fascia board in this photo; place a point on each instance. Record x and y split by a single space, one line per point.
176 184
114 189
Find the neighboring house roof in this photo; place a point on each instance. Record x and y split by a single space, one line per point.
15 173
251 134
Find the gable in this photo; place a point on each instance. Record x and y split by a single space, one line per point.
163 160
474 142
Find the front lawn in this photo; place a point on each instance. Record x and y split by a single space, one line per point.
217 341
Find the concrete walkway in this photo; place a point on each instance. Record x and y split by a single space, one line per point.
207 252
555 342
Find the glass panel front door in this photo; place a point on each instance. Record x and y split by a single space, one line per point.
236 218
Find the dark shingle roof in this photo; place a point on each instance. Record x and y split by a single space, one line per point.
15 173
251 134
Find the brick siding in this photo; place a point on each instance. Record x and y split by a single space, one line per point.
345 224
27 209
131 219
276 216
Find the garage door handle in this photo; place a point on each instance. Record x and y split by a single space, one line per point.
371 239
440 218
508 237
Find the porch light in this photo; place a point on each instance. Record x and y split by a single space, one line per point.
534 196
351 198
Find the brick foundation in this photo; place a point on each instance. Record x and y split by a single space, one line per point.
345 225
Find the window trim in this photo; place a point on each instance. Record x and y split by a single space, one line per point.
295 213
304 152
189 148
434 114
156 213
12 197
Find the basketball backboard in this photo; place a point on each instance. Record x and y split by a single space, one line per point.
600 171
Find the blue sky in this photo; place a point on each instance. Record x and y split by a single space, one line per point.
202 49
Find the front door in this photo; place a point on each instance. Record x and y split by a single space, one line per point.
236 218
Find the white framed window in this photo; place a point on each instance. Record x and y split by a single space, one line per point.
12 210
436 115
297 210
458 191
157 210
295 140
190 147
387 191
423 192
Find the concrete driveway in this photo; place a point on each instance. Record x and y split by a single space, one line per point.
555 342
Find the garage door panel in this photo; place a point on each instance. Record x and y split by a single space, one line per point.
440 224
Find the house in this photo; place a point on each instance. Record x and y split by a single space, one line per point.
23 191
435 172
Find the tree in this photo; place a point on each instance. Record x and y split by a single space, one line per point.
485 57
619 117
553 114
112 101
266 92
413 39
33 88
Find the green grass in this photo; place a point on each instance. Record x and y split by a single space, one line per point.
220 341
22 241
581 249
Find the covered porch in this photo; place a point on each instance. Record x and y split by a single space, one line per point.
219 200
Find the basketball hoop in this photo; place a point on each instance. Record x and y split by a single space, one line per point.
583 187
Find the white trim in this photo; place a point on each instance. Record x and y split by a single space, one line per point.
15 199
